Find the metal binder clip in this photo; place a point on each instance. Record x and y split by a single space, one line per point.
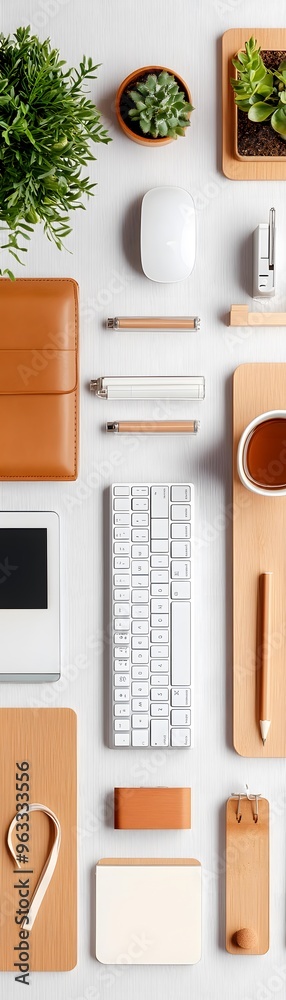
252 797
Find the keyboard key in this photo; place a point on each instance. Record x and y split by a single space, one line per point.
181 550
159 527
121 519
122 534
140 628
140 656
158 607
159 733
122 711
138 643
180 738
140 491
140 611
159 711
121 580
122 623
180 530
160 545
140 737
121 562
121 549
119 666
179 717
159 680
121 680
122 725
121 637
139 581
122 595
160 652
140 504
140 673
181 493
159 635
160 591
121 491
139 520
140 722
122 739
122 652
140 689
122 609
181 697
160 562
159 576
159 666
159 694
159 501
181 643
180 512
140 551
159 622
180 570
140 567
140 705
121 504
181 591
138 535
121 695
140 596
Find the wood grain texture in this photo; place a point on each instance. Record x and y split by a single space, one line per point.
247 877
235 167
46 738
152 808
258 534
241 316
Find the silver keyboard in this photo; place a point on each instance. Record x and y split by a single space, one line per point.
151 528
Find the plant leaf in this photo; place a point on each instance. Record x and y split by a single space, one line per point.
260 111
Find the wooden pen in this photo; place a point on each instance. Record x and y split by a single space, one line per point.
153 323
265 597
153 426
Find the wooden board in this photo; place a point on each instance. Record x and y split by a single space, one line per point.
259 532
238 169
46 738
247 875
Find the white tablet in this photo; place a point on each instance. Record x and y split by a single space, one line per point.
29 596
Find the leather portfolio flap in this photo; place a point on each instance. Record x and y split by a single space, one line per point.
38 313
37 371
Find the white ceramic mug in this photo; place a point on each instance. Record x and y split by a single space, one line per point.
242 450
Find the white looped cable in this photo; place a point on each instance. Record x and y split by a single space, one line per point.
49 867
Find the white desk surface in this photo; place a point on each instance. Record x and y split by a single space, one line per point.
184 35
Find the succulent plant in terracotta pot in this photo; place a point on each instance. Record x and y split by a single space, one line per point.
153 106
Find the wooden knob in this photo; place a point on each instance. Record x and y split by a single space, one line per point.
246 938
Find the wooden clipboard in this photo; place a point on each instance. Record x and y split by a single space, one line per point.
46 738
247 876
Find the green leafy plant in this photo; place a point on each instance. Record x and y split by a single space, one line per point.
259 91
46 125
160 106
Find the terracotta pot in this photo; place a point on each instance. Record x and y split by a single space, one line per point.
127 84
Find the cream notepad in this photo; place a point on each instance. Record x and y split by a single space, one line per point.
148 911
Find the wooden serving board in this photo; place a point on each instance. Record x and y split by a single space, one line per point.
46 738
234 167
247 876
259 545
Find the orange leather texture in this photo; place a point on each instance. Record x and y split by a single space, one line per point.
39 379
152 808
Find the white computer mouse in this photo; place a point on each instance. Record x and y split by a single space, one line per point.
168 234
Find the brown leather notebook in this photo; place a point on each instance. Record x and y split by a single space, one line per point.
152 808
38 379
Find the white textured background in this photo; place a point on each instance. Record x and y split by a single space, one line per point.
184 35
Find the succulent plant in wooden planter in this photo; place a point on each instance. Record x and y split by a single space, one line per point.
160 106
260 87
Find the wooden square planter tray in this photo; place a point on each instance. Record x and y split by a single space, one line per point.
262 168
259 533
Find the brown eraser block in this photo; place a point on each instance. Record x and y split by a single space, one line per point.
152 808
